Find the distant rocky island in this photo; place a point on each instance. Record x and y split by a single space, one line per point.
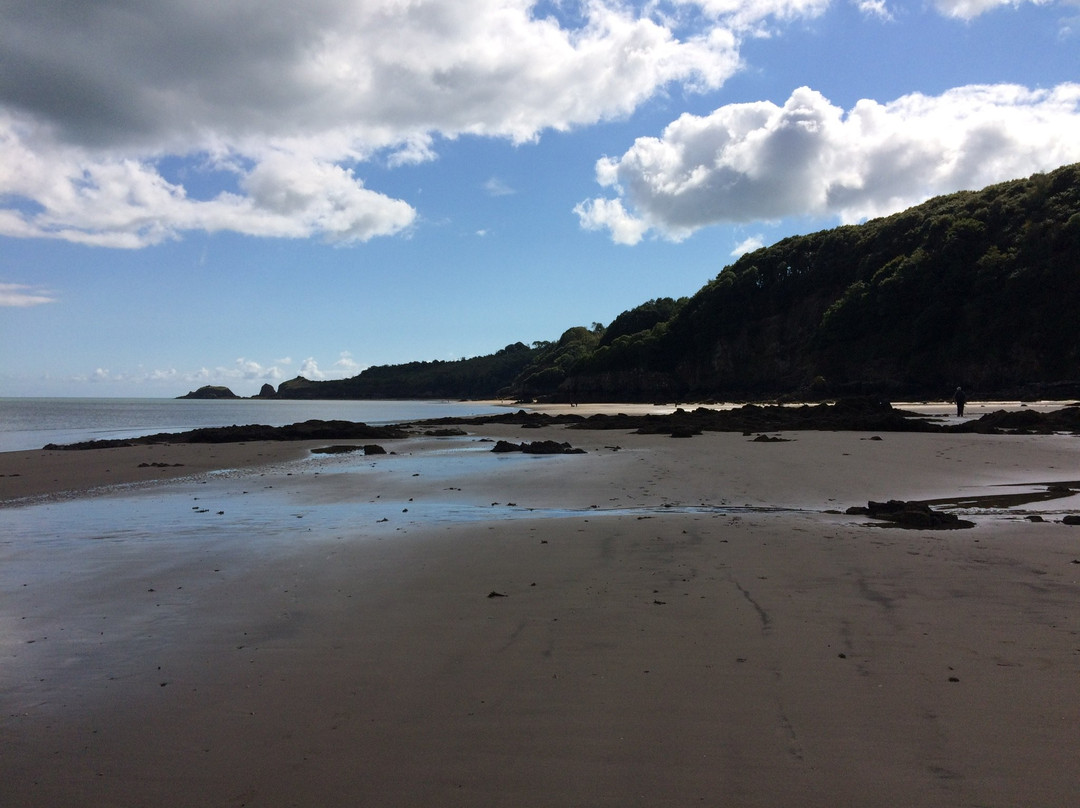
211 391
977 289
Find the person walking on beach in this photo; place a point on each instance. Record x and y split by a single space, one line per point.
960 400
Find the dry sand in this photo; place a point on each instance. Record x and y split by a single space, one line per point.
663 637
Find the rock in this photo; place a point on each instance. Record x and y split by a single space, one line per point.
211 391
537 447
373 449
685 432
1071 519
267 391
307 430
912 515
338 449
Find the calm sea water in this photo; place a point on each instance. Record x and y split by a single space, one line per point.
30 423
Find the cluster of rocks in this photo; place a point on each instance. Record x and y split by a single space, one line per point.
915 515
1023 422
862 414
859 414
855 414
537 447
348 448
306 430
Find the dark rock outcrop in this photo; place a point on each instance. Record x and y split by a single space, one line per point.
307 430
211 391
913 515
1030 422
857 414
537 447
863 414
349 448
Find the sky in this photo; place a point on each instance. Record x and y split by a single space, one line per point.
239 192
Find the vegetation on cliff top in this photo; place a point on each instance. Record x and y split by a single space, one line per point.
977 288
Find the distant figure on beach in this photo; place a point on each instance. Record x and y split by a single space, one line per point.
960 400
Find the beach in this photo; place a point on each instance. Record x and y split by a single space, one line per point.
656 622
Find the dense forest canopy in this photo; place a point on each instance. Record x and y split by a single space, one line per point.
977 288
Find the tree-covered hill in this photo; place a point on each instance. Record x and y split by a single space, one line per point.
478 377
978 288
975 288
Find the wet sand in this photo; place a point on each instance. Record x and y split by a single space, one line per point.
675 622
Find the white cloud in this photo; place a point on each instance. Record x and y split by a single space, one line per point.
969 9
748 245
743 15
346 366
125 203
874 8
292 99
309 369
19 295
600 214
760 161
250 370
496 187
104 376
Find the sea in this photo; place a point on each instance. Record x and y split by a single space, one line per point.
31 423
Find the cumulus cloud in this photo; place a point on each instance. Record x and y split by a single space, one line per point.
969 9
874 8
126 203
346 365
748 245
762 161
309 369
292 99
19 295
609 214
754 15
250 370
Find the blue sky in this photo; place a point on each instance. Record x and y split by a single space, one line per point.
239 193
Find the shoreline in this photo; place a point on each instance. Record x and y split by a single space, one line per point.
27 476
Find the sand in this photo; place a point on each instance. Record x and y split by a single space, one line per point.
674 622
